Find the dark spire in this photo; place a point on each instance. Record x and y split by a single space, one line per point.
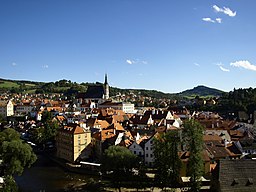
106 79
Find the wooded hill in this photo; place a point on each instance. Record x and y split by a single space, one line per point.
68 87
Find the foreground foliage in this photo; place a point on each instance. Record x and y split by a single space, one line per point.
167 161
193 134
15 155
121 165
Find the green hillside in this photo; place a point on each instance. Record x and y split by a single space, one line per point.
202 91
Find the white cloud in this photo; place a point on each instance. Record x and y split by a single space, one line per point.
218 20
196 64
224 69
244 64
45 66
14 64
130 61
136 61
216 8
144 62
224 10
208 19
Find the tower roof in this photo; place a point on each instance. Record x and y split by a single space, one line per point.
106 79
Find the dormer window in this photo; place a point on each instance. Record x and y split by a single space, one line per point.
235 182
249 181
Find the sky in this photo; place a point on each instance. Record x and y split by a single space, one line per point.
165 45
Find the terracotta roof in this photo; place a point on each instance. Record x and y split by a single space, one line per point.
212 138
103 135
60 118
59 109
3 103
116 126
72 129
92 122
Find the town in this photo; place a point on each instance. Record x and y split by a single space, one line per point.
79 132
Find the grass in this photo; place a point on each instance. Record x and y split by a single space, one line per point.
7 84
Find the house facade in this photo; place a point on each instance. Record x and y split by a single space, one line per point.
71 141
149 152
6 108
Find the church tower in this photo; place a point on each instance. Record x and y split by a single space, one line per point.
106 88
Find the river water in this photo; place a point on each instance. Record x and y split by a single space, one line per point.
46 176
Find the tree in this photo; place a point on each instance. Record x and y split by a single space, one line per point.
120 162
16 155
50 127
193 131
167 161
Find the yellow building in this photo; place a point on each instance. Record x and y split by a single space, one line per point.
72 140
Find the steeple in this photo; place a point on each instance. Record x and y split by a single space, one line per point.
106 79
106 88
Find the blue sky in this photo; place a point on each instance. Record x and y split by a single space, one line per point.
167 45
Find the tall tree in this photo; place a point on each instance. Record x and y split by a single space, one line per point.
193 131
16 155
167 161
50 127
121 162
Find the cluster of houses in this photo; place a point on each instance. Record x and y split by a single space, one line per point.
93 122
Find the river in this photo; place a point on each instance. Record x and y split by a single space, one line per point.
47 176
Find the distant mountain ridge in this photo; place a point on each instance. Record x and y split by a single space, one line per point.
65 85
202 90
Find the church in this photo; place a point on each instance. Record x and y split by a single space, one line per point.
97 94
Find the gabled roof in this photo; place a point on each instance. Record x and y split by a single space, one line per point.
92 122
156 114
95 92
116 126
103 135
138 119
237 175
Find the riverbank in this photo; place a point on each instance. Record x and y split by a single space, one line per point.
76 168
48 176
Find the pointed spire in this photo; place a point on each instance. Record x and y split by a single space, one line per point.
106 79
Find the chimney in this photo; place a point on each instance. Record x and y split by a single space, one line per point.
225 143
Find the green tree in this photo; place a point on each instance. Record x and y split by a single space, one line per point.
193 131
46 116
15 154
120 162
167 161
50 127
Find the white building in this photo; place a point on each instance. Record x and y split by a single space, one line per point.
125 107
6 108
137 149
149 152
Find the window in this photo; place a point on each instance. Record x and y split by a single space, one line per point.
146 155
134 152
146 148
